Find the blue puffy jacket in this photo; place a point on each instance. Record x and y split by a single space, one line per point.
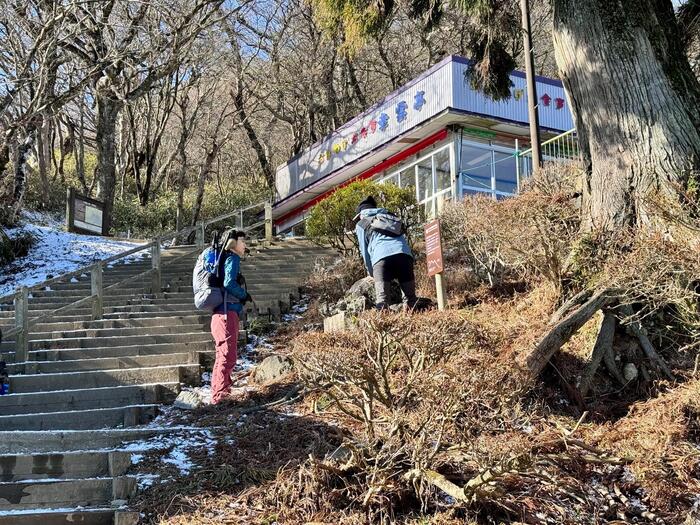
232 265
378 246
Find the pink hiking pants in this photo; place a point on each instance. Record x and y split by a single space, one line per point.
224 328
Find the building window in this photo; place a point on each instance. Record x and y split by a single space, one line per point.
490 170
392 179
506 173
476 166
424 176
407 178
431 176
443 171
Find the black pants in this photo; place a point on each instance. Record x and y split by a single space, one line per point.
397 267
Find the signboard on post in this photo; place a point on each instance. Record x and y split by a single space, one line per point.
84 215
433 253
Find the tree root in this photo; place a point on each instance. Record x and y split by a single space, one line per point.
565 308
613 369
649 350
537 359
603 345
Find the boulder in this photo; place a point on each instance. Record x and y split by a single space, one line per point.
629 372
359 297
188 400
338 322
271 368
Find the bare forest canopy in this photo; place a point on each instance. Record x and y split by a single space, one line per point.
176 103
153 105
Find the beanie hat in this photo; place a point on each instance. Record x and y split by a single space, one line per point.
367 204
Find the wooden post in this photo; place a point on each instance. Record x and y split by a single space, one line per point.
533 113
440 287
69 210
200 236
22 323
155 264
97 290
433 256
268 221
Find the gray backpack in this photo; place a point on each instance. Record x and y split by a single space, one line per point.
207 284
384 223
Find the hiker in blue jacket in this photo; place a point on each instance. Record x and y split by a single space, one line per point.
387 258
225 319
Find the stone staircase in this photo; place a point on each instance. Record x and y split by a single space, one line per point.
90 385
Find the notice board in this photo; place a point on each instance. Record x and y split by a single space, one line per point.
84 215
433 247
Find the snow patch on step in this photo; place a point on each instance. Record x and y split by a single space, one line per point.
20 512
50 480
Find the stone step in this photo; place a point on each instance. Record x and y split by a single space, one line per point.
68 465
180 265
16 442
155 313
127 340
189 374
253 274
120 331
121 322
72 354
124 416
89 398
87 311
182 295
77 516
112 363
54 494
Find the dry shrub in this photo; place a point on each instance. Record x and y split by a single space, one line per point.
660 275
517 239
662 436
432 397
412 387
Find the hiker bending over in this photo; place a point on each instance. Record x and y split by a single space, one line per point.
225 319
385 251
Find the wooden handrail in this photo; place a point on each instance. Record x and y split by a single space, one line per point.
184 231
97 290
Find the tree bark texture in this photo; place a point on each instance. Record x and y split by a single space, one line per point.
635 100
108 109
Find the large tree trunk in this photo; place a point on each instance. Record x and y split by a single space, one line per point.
635 100
43 151
108 109
22 170
204 170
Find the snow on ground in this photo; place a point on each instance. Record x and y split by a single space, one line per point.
56 252
184 443
20 512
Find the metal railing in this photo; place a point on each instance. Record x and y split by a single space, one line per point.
562 148
23 324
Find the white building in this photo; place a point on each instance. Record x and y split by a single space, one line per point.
436 134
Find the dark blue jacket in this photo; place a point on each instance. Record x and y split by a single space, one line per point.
379 246
232 266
